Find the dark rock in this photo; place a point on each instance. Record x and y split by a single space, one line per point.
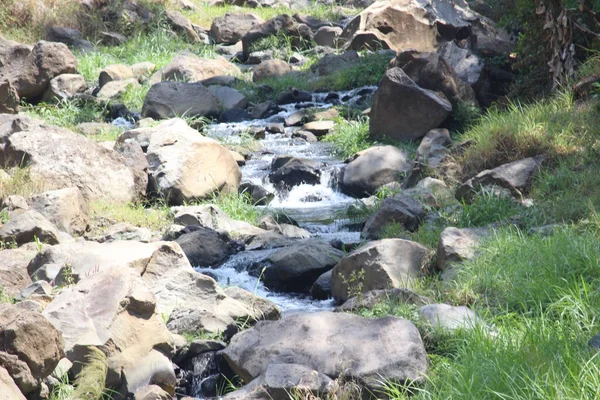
205 247
399 209
291 171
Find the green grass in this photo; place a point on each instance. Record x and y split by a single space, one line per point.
134 96
21 183
202 335
90 381
67 113
155 218
237 206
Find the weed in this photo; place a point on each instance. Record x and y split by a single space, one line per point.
238 206
202 335
67 274
355 283
38 244
5 297
68 113
21 183
90 381
63 390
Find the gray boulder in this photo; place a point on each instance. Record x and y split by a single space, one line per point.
445 316
231 27
228 98
24 227
456 245
176 99
289 171
204 247
331 63
114 72
400 209
328 36
404 111
65 208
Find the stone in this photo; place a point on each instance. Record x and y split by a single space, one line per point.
8 387
176 99
308 136
64 87
184 165
269 223
331 63
328 36
135 159
25 227
383 264
228 98
467 66
447 317
239 159
434 147
373 298
182 26
369 169
9 98
115 89
114 72
29 70
188 67
291 171
32 338
69 36
231 27
432 192
204 247
65 208
319 128
152 392
404 111
39 287
321 289
260 196
348 350
430 71
516 177
260 309
270 69
112 39
399 209
60 158
142 70
13 268
458 244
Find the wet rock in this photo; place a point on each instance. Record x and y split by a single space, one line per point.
516 176
270 69
64 87
294 96
331 63
319 128
383 264
235 115
260 309
351 339
260 196
291 171
328 36
308 136
114 72
270 224
321 289
445 316
373 298
204 247
296 268
401 210
231 27
457 244
404 111
228 98
369 169
173 99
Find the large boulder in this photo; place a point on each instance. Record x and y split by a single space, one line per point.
288 171
36 343
64 87
382 264
61 159
204 247
333 344
370 169
230 28
30 69
296 268
516 176
183 164
431 71
270 69
116 312
65 208
26 226
188 67
456 245
178 99
402 110
228 98
401 210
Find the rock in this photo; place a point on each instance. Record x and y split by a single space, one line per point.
321 289
308 136
348 350
142 70
30 70
430 71
457 244
136 160
399 209
64 87
184 165
13 268
331 63
228 98
370 169
516 176
15 203
239 159
32 339
65 208
432 192
291 171
9 98
115 89
260 196
466 65
328 36
125 231
404 111
294 96
296 118
69 36
270 69
182 26
231 27
114 72
188 67
383 264
444 316
175 99
434 147
373 298
152 392
296 268
25 227
319 128
281 24
260 309
8 386
60 158
270 224
39 287
112 39
204 247
258 57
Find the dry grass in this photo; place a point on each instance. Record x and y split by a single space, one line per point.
21 183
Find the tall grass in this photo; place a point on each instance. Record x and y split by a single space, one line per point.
68 113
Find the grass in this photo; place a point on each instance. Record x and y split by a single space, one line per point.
90 381
134 96
154 218
238 206
21 183
202 335
67 113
